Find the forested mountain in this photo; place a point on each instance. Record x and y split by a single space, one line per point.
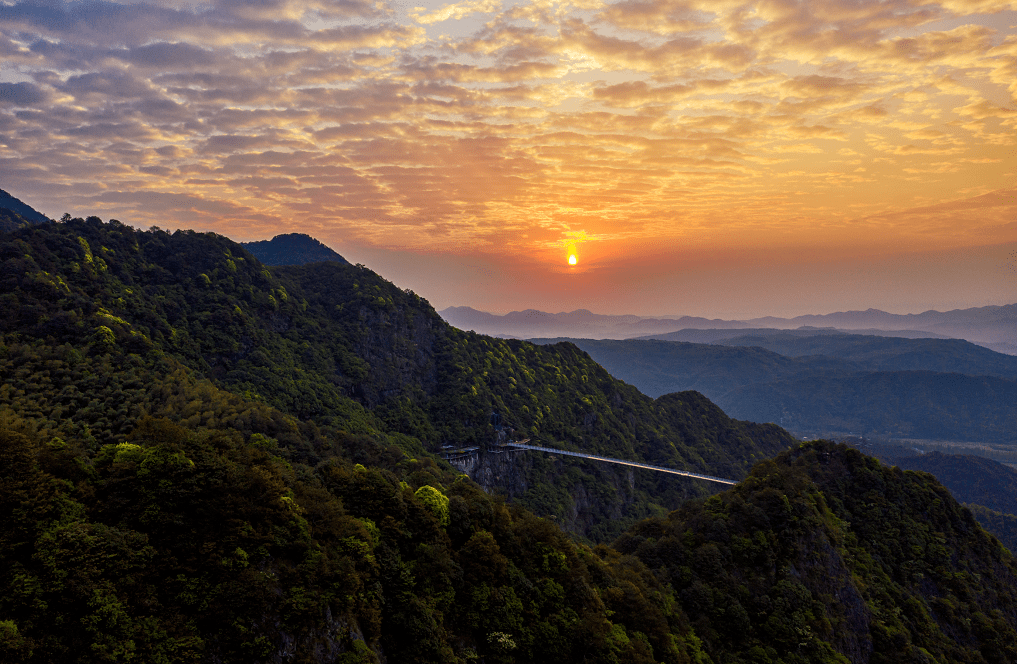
824 554
292 249
861 384
339 346
15 214
206 460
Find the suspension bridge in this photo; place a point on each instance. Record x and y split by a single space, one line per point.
522 445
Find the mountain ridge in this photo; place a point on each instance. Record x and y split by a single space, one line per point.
292 249
993 326
15 213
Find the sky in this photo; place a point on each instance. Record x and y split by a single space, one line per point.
726 158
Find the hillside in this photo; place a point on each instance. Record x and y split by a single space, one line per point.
339 346
206 460
834 384
292 249
971 479
15 214
826 555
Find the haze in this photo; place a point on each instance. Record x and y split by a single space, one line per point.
724 159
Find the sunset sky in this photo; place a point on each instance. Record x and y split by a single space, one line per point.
720 158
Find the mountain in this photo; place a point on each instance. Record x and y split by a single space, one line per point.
994 327
942 389
15 214
721 335
339 346
579 323
203 459
803 560
878 353
992 324
292 249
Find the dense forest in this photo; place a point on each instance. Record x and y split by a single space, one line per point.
206 460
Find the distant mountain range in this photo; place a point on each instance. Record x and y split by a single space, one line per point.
292 249
830 384
994 327
579 323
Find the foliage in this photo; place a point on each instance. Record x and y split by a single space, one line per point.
1002 525
183 545
825 555
117 310
971 479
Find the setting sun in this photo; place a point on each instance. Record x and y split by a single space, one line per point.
572 259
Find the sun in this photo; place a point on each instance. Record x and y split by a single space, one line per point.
572 259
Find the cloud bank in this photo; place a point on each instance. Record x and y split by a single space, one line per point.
509 127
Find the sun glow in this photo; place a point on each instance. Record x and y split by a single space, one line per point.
572 259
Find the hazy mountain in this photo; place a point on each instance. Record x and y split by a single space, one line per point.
993 327
579 323
15 214
992 324
944 389
709 336
292 249
877 353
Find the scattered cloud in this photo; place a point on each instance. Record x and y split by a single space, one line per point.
516 126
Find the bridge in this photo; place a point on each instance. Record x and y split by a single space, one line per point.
454 454
660 469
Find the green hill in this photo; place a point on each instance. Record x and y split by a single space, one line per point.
339 346
206 460
972 479
826 555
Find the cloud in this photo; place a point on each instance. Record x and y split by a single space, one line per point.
22 94
455 11
477 123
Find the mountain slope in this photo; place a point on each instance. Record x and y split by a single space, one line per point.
292 249
339 346
804 559
15 214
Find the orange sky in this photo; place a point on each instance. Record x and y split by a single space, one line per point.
712 158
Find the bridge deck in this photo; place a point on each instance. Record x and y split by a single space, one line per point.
622 462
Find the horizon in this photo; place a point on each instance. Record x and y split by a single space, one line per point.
680 316
726 159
